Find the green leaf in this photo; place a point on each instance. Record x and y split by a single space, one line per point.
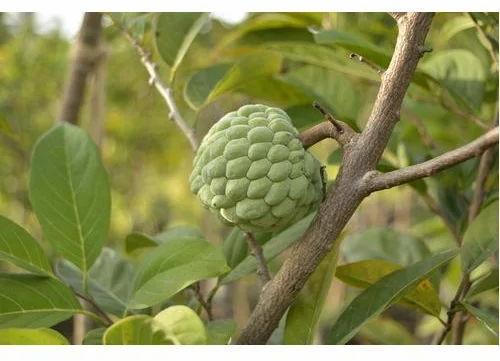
385 244
181 325
70 194
460 72
174 33
29 336
480 238
335 157
109 280
488 320
173 266
354 44
385 331
94 337
134 330
271 249
201 83
20 248
365 273
137 240
376 298
219 332
330 88
486 283
454 26
303 315
34 301
235 247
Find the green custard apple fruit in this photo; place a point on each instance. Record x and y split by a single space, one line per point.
252 170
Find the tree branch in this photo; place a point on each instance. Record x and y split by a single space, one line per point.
256 250
376 181
330 128
345 196
162 88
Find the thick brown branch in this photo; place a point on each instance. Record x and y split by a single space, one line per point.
346 195
378 181
85 54
256 251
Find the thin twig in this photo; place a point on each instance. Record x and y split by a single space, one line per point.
434 207
162 88
256 251
95 305
330 128
201 300
367 62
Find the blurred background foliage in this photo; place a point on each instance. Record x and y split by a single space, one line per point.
286 60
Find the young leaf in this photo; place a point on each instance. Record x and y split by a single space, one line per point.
365 273
94 337
20 248
486 283
181 325
174 33
134 330
303 315
488 320
34 301
271 249
70 194
219 332
376 298
480 238
109 280
235 247
174 266
29 336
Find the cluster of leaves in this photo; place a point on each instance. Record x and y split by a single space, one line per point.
286 60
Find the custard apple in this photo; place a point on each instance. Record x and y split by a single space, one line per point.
252 170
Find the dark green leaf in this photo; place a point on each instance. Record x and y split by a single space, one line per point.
139 240
488 320
335 157
480 238
20 248
70 194
136 240
174 266
109 280
174 33
34 301
303 315
376 298
181 325
30 336
219 332
486 283
200 84
271 249
235 247
365 273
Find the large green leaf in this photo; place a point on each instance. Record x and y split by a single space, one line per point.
365 273
30 336
488 320
70 194
332 89
385 331
385 244
480 238
109 280
271 249
201 83
354 44
134 330
181 325
34 301
20 248
139 240
219 332
174 266
453 26
460 72
376 298
174 33
303 315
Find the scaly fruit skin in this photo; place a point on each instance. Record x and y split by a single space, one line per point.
252 170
